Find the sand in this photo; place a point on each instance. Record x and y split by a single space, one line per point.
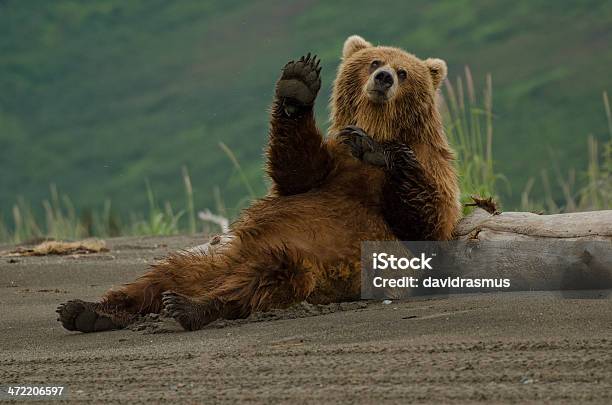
522 347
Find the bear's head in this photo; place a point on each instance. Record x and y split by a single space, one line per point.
387 91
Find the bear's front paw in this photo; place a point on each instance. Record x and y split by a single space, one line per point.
362 146
299 84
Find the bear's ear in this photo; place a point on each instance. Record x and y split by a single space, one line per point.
353 44
437 68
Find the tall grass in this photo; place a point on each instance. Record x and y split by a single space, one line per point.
468 120
598 192
159 221
61 220
591 190
468 123
189 200
238 167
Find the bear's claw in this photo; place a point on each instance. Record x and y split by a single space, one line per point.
81 316
299 83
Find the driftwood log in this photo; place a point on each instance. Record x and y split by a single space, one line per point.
525 226
538 252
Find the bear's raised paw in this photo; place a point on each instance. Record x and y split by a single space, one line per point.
299 84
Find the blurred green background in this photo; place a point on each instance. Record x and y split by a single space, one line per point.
97 96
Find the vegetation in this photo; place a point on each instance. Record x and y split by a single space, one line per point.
468 123
469 127
588 190
96 97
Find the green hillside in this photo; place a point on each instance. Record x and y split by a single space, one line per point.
98 96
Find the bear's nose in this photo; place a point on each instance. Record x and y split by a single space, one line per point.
383 79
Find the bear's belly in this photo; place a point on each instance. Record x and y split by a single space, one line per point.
319 225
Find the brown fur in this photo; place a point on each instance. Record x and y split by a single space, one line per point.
411 117
303 240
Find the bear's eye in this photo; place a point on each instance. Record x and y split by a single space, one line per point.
401 74
375 64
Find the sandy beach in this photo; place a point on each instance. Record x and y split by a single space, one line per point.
523 347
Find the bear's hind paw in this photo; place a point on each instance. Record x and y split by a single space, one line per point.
77 315
189 314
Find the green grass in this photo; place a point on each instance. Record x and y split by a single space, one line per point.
582 191
469 127
468 122
63 222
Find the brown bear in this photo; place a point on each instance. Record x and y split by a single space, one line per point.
302 241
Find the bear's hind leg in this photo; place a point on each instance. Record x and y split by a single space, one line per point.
185 272
118 308
249 287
